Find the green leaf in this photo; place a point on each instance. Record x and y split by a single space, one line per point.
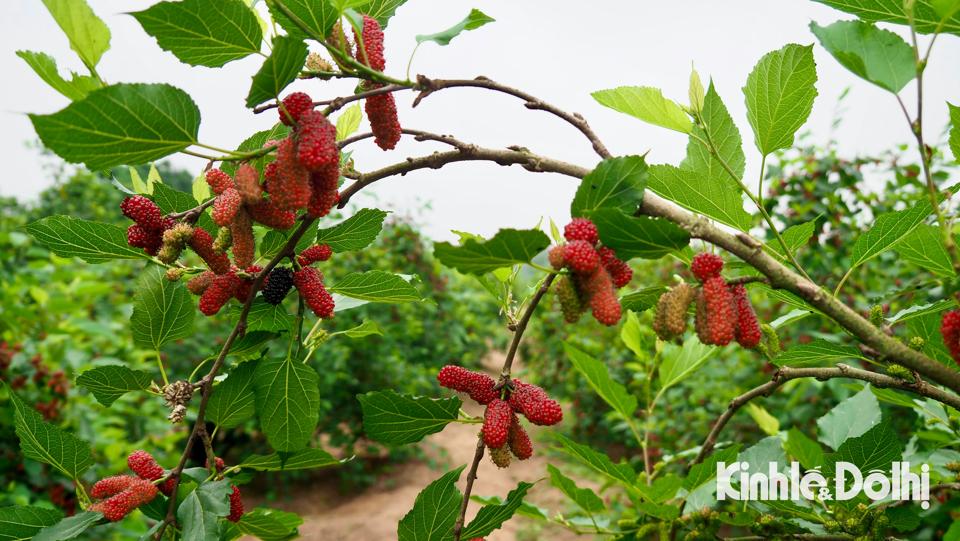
108 383
888 229
274 240
796 236
716 197
927 326
270 524
849 419
583 497
354 233
780 92
679 362
954 130
251 345
434 511
200 189
233 399
89 36
287 401
474 20
876 448
376 286
805 450
93 242
367 328
319 17
695 92
47 443
817 353
267 317
278 70
349 121
45 66
121 124
382 10
767 423
925 17
703 472
924 248
162 310
19 522
878 56
647 104
203 32
643 299
201 509
631 335
638 236
616 183
256 142
508 247
597 461
390 417
662 489
492 516
725 136
304 459
906 518
69 527
612 392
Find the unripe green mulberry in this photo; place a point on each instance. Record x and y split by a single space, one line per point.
671 317
224 240
917 343
570 303
174 241
500 456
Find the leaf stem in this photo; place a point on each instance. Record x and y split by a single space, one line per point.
163 371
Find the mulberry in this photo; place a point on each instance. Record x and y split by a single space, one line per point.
496 423
202 244
116 507
224 240
318 142
144 465
270 215
236 505
719 323
384 123
534 404
110 486
479 386
321 203
581 256
500 456
225 207
705 266
149 240
748 328
174 240
372 38
199 283
277 285
290 188
218 181
143 211
581 229
326 179
603 299
620 272
671 317
222 288
317 252
242 239
555 257
309 282
248 184
519 440
950 329
570 303
293 106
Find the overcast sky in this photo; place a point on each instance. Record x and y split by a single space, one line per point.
557 50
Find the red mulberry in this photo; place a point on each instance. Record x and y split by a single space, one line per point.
496 423
202 244
321 203
277 285
748 328
603 298
149 240
555 257
218 181
144 465
519 440
372 38
581 257
326 179
243 241
293 106
199 283
950 329
221 290
719 318
143 211
270 215
290 189
225 207
248 184
581 229
479 386
620 272
671 317
309 282
317 146
705 266
236 505
384 123
534 404
317 252
116 507
109 486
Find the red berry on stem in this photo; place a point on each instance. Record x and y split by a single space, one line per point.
290 188
620 272
218 181
143 211
705 266
225 207
293 106
317 252
202 244
581 256
269 214
309 282
109 486
720 323
144 465
534 404
384 123
221 290
519 440
748 328
243 242
581 229
496 423
236 505
372 38
248 184
317 146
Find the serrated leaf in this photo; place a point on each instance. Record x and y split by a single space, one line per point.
108 383
925 17
877 448
121 124
390 417
203 32
69 527
647 104
849 419
680 362
490 517
878 56
354 233
251 345
805 450
888 229
475 19
18 522
376 286
796 236
287 401
642 300
233 400
47 443
45 66
264 316
508 247
920 310
615 183
270 524
162 310
597 461
278 70
780 92
434 511
93 242
924 247
89 36
638 236
716 197
349 121
725 136
817 353
612 392
319 17
583 497
200 511
304 459
703 472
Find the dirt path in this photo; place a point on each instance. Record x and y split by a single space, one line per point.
372 515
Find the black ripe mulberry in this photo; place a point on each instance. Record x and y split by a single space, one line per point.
279 283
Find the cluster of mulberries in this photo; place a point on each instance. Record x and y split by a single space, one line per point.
382 108
149 223
502 432
216 290
146 467
950 329
596 274
723 311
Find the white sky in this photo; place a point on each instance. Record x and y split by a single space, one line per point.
556 50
